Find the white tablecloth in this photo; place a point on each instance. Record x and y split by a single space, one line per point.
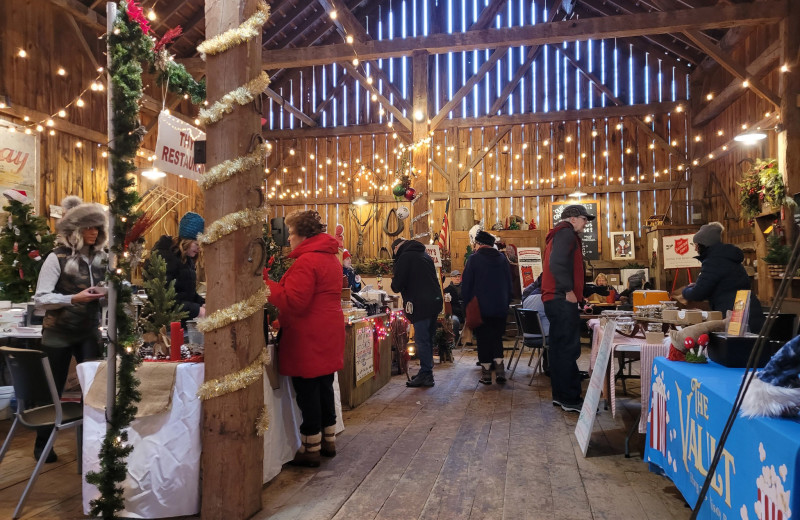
164 468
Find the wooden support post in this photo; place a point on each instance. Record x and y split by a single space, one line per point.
790 108
419 130
232 451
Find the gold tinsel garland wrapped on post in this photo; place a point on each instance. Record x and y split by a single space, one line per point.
231 222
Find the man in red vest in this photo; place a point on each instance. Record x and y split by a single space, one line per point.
562 291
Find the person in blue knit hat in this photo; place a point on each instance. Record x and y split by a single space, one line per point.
181 254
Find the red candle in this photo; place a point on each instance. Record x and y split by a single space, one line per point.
176 340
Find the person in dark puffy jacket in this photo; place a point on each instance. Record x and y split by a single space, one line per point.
487 276
180 255
721 275
312 331
414 277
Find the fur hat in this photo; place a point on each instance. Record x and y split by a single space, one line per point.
191 225
69 202
484 238
709 234
77 217
775 391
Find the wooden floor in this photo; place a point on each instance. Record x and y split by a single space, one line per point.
458 450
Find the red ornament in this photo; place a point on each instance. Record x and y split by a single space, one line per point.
410 193
35 255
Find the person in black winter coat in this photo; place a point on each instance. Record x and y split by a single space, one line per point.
456 301
721 275
414 276
180 255
487 276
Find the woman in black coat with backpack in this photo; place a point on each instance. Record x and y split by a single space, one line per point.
487 276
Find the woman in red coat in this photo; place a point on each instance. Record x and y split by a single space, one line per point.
312 331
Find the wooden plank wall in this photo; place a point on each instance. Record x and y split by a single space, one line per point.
531 158
70 163
748 109
552 83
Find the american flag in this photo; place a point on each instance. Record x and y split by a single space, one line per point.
442 241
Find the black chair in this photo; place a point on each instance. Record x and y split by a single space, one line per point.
784 328
29 369
532 336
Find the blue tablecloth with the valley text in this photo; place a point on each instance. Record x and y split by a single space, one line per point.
757 476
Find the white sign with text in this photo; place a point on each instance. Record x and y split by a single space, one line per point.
19 160
679 252
175 147
433 252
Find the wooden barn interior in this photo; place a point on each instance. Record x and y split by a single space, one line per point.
507 108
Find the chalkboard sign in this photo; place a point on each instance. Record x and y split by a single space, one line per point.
591 242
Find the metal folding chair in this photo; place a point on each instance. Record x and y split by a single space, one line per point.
29 368
530 335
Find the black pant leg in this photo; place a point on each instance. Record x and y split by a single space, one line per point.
489 337
565 349
327 400
307 391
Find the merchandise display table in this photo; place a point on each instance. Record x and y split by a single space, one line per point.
164 468
367 359
757 476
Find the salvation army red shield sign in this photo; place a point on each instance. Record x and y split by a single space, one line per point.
679 252
681 246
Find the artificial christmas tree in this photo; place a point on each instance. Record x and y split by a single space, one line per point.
161 308
24 241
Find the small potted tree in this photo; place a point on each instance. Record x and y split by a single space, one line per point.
777 256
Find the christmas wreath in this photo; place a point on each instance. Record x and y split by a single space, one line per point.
763 184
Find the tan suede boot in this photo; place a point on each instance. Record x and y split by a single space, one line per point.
308 454
328 441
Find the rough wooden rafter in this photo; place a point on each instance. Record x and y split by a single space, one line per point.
497 54
533 51
82 40
385 103
762 65
559 191
85 14
659 140
555 32
722 57
293 110
501 133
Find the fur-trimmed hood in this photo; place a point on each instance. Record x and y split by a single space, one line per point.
83 216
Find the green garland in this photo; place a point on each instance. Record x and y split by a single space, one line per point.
128 48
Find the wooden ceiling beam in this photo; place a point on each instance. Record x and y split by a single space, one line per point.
533 51
331 95
83 43
293 110
727 148
60 125
731 65
347 24
468 86
761 66
478 122
85 14
385 103
548 192
721 56
645 127
488 15
656 45
501 133
191 23
291 18
539 34
334 131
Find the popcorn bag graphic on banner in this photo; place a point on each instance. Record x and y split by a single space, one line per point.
658 416
773 500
